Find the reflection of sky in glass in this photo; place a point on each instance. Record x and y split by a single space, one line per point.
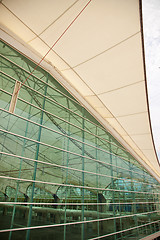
70 192
151 24
129 186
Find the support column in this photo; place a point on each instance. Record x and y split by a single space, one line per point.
133 197
20 166
112 186
35 164
97 185
65 214
148 200
82 213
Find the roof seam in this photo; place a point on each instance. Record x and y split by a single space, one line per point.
139 134
116 89
19 19
89 59
132 114
55 20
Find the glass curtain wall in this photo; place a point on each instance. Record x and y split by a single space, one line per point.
62 175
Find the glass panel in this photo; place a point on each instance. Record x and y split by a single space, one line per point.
63 176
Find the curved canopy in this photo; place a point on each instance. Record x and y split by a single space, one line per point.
99 58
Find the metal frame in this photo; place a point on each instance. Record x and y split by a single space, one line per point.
86 148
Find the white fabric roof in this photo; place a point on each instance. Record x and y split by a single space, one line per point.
100 56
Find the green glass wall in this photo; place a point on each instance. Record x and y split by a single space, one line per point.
63 176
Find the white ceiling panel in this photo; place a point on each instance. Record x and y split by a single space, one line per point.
94 100
38 15
135 124
41 47
104 112
94 31
131 142
115 124
143 141
126 101
13 24
99 106
115 68
78 83
150 154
